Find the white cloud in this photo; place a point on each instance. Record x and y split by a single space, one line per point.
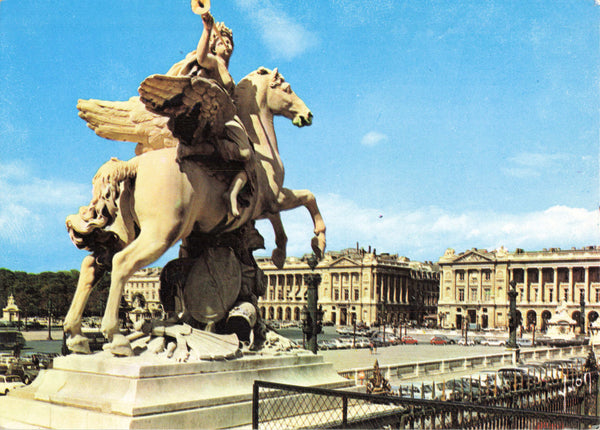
30 205
532 164
425 233
283 36
373 138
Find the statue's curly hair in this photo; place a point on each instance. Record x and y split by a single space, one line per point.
223 31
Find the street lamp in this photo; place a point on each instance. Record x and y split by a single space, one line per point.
312 314
383 317
512 319
582 312
50 319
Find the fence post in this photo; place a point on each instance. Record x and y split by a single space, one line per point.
255 406
344 411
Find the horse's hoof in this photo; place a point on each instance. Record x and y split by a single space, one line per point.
318 246
119 346
278 258
79 344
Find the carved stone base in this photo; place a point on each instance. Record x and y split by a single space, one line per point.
101 391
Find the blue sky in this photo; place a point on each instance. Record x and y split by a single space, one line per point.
436 124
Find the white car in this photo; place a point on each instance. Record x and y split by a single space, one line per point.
493 342
10 382
468 342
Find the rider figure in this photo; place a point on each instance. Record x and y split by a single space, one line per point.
210 60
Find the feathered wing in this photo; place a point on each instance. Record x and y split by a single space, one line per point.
198 107
128 121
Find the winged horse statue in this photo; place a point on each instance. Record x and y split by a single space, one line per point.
142 207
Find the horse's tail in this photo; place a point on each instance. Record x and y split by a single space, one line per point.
87 228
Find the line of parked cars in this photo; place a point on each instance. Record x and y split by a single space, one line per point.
441 339
17 372
375 341
496 382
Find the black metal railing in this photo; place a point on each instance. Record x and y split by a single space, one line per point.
282 406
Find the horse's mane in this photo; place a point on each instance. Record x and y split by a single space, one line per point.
247 85
87 228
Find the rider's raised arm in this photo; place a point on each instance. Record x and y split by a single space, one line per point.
203 44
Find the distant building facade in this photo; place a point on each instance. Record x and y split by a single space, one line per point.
355 283
144 283
474 286
11 311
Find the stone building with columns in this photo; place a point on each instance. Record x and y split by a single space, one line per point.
355 283
145 283
474 285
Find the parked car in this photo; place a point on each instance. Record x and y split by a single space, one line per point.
324 344
362 342
478 339
519 376
436 340
377 340
9 382
449 340
524 343
492 341
467 342
416 391
409 340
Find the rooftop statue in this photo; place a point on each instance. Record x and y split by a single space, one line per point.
207 165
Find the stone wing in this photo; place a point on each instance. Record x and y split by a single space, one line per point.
198 107
128 121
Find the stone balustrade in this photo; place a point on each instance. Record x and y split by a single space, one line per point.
411 370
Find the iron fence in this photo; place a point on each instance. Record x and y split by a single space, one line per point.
523 406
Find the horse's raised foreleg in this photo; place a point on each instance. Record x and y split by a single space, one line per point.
279 253
290 199
144 250
89 276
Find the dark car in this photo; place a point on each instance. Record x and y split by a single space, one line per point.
27 372
518 377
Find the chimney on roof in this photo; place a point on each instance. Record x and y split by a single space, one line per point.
369 249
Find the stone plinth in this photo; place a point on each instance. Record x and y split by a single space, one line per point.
102 391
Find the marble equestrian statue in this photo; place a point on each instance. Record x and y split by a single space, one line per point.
142 207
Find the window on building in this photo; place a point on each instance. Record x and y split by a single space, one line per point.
597 295
356 294
461 294
473 293
461 276
551 296
535 295
486 294
336 294
346 294
566 295
487 275
272 295
280 295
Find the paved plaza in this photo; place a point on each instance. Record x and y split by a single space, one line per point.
344 359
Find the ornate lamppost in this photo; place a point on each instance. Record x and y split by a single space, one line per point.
50 319
582 312
383 317
311 314
513 321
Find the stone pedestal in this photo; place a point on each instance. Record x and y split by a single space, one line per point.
102 391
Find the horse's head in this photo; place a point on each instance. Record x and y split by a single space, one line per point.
280 99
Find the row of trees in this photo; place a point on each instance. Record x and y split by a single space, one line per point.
35 292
